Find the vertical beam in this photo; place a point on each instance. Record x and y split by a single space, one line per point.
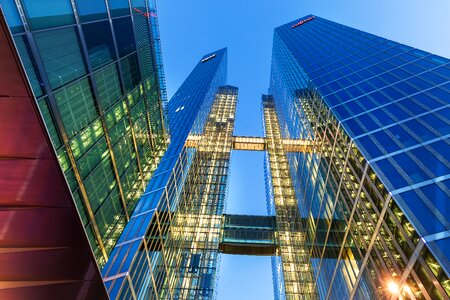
297 271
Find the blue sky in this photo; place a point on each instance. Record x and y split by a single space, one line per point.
190 29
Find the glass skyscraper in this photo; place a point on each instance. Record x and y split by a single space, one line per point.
96 72
373 193
356 142
154 258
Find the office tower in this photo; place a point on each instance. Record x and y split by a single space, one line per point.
96 72
373 192
154 257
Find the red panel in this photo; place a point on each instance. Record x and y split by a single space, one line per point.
44 251
11 80
26 183
20 133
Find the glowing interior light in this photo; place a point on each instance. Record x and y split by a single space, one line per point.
393 287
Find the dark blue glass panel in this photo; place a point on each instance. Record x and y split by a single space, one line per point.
395 180
48 13
123 30
368 147
90 10
410 105
435 165
427 100
12 16
419 130
354 108
367 102
438 198
367 122
402 136
382 117
426 63
353 127
392 93
443 71
422 212
130 71
99 43
444 245
412 170
440 94
437 123
433 78
385 141
119 8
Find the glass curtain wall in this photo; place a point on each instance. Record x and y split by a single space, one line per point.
92 68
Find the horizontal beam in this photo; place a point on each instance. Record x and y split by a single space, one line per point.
249 143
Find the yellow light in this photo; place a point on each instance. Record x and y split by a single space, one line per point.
393 287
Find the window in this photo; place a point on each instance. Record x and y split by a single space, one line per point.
130 70
90 10
195 263
394 179
119 8
99 43
43 106
76 105
123 30
12 16
28 64
61 55
108 86
48 13
422 212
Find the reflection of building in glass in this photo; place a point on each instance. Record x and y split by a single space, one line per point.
356 143
95 70
373 193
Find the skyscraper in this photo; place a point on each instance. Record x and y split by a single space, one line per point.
356 149
373 193
96 72
146 260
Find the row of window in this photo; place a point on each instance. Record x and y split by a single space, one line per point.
45 14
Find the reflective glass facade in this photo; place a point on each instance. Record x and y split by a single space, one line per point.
93 67
150 260
374 193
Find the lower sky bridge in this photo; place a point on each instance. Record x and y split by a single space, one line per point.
257 235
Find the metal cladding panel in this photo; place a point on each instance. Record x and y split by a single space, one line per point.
44 251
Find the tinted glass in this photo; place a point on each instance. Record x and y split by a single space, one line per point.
61 55
123 30
119 8
48 13
91 10
99 43
76 105
130 70
108 86
28 64
12 15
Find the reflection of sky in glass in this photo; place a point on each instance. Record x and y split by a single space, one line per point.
246 28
